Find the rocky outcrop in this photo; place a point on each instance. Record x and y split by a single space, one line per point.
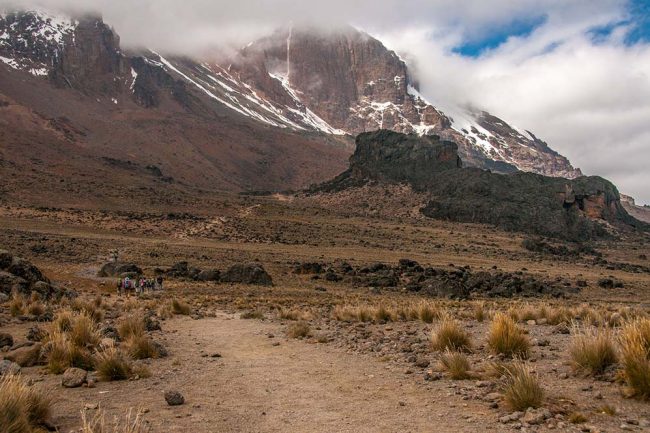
251 273
119 269
21 276
91 58
386 156
450 283
576 210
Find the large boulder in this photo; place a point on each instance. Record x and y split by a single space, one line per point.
116 269
26 356
26 270
251 273
209 275
10 283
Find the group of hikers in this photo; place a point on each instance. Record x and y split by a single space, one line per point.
138 285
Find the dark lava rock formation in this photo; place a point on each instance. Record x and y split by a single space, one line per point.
576 210
21 276
451 282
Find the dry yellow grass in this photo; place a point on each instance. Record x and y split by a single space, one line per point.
427 312
181 308
506 338
635 357
141 347
591 350
522 389
23 409
450 336
62 353
111 364
130 424
299 330
130 326
17 305
84 331
456 364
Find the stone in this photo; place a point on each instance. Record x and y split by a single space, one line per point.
209 275
8 367
74 377
251 273
36 334
515 416
26 270
116 269
6 340
26 356
174 398
535 416
422 362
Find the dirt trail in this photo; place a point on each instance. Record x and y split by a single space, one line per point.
258 387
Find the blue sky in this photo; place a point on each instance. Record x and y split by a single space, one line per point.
636 17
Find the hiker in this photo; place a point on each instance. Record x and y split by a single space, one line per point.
159 282
119 287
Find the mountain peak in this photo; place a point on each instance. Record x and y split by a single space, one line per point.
339 81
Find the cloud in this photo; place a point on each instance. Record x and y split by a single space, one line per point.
571 76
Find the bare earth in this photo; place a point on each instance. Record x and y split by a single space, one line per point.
256 386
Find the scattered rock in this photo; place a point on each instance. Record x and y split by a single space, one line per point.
8 367
536 416
422 362
174 398
6 340
36 334
74 377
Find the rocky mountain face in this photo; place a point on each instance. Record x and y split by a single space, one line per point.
576 210
84 122
338 82
355 84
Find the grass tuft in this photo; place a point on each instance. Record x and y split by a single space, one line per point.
181 308
635 357
592 351
450 336
141 347
130 424
457 364
131 326
506 338
111 364
299 330
522 389
23 409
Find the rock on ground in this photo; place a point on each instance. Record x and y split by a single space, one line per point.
174 398
74 377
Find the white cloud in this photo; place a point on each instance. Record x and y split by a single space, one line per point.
590 101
